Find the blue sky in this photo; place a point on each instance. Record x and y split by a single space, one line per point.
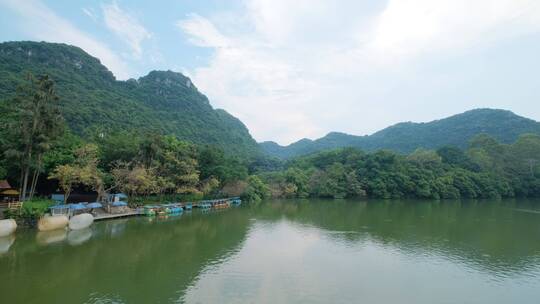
294 69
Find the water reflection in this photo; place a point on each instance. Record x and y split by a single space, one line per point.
490 234
383 252
116 228
51 237
147 263
6 242
78 237
288 251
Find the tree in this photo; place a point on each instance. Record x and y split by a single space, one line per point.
213 162
35 122
298 182
120 146
137 180
256 189
452 155
354 187
425 158
209 185
89 173
67 176
526 153
177 163
82 171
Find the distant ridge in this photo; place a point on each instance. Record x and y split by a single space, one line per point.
405 137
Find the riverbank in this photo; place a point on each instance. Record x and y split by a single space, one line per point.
39 213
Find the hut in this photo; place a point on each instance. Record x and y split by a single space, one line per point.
4 185
7 193
8 197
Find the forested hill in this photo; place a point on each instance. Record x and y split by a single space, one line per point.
92 99
405 137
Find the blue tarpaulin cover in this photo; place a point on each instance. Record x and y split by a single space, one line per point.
94 205
59 207
78 206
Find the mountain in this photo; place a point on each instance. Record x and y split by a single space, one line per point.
405 137
162 101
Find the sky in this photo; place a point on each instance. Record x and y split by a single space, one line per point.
303 68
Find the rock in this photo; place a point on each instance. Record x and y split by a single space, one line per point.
49 223
81 221
7 227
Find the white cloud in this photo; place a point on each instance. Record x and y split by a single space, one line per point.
202 32
42 23
126 27
90 13
292 69
413 26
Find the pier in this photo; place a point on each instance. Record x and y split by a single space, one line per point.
109 216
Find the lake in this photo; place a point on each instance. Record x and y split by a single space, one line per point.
294 251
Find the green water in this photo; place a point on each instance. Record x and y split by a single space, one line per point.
288 252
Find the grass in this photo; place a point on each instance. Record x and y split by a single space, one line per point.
31 210
37 205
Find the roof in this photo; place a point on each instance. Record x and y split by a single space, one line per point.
10 192
4 184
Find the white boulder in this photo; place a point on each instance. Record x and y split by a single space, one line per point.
49 223
7 227
81 221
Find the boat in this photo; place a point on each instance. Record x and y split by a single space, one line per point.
176 209
221 204
149 210
236 201
205 205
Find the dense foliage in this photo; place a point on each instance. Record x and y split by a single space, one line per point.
31 122
39 152
486 169
456 130
93 101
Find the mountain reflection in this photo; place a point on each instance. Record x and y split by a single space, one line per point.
500 236
239 253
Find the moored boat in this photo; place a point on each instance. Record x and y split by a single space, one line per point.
176 209
236 201
149 210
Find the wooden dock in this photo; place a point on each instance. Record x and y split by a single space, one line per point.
108 216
